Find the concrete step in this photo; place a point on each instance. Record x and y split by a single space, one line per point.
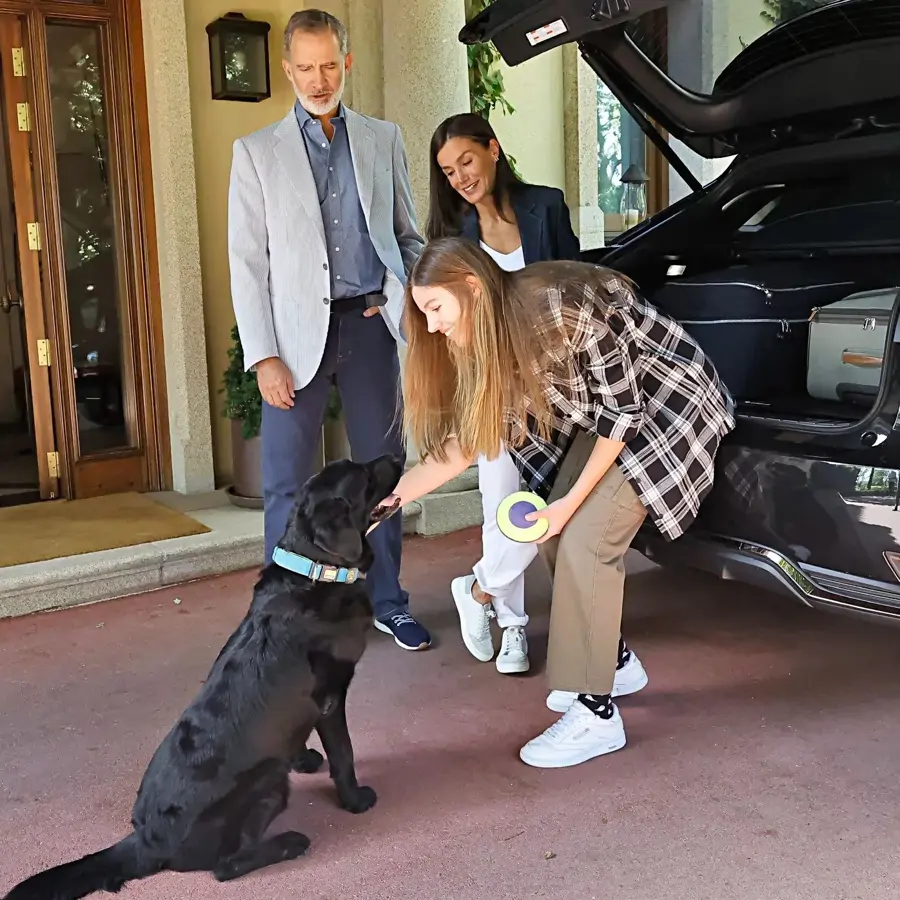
447 512
234 542
468 481
453 506
411 513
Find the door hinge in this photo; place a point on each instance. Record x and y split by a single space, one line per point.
18 58
53 463
34 236
23 116
43 350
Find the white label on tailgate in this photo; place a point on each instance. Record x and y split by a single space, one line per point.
545 32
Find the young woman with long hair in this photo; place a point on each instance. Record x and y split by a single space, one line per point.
611 413
475 194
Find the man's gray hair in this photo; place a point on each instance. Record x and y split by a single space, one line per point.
312 21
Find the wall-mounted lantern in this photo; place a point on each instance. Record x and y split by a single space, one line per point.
239 58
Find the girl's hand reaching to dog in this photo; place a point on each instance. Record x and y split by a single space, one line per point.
384 510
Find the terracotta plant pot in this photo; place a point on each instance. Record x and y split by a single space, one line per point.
247 487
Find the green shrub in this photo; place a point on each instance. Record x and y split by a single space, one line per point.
243 402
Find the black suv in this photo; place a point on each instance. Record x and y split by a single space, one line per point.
786 270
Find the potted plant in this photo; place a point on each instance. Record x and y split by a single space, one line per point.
243 406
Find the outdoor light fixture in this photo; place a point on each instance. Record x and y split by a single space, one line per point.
634 197
239 58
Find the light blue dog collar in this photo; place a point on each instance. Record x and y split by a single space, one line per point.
302 565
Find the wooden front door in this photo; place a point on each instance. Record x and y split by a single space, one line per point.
21 261
86 252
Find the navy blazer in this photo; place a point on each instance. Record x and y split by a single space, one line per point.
544 224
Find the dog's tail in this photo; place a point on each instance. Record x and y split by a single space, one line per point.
107 870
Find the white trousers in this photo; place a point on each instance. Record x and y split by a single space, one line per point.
501 569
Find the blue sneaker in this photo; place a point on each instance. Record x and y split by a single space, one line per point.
407 632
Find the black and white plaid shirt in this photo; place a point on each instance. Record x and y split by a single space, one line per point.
640 379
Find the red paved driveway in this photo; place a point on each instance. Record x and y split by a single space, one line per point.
762 760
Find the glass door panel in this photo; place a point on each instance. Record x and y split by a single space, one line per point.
94 304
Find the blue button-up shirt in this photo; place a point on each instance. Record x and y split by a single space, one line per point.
354 264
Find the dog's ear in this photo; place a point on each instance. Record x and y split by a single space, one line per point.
335 533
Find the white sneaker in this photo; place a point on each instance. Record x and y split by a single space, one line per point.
513 656
630 679
575 738
474 619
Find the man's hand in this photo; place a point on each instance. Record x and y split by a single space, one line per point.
275 383
372 311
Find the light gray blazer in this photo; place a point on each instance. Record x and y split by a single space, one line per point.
276 241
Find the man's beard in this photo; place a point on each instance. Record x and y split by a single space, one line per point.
319 108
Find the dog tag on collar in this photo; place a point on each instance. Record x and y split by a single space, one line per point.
303 565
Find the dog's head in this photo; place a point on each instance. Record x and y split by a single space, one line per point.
334 510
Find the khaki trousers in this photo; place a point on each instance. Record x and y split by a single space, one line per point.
586 563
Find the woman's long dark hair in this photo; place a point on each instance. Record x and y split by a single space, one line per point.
446 206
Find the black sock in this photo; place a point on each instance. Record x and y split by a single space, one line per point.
598 704
624 654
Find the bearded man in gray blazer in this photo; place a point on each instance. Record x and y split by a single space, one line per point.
321 236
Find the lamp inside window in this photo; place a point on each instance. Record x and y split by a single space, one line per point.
634 196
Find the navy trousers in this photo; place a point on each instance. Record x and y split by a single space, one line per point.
361 358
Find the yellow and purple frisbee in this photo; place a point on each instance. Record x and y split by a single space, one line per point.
511 517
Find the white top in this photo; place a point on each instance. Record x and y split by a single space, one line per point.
508 261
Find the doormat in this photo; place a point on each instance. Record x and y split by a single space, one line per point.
55 528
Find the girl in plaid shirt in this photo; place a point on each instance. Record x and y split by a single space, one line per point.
611 412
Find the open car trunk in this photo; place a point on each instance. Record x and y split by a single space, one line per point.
787 273
798 342
786 270
829 74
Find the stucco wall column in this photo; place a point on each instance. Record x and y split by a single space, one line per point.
425 77
425 80
580 131
175 201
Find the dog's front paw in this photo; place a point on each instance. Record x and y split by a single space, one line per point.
308 761
292 844
358 801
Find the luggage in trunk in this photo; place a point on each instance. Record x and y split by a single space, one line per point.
847 341
752 321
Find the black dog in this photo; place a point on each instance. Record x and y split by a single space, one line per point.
221 775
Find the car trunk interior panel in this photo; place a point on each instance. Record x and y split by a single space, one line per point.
770 251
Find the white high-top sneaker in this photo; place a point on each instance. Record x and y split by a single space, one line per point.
630 679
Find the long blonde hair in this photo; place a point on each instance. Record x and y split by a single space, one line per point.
483 391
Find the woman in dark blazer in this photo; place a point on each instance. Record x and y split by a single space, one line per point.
476 194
